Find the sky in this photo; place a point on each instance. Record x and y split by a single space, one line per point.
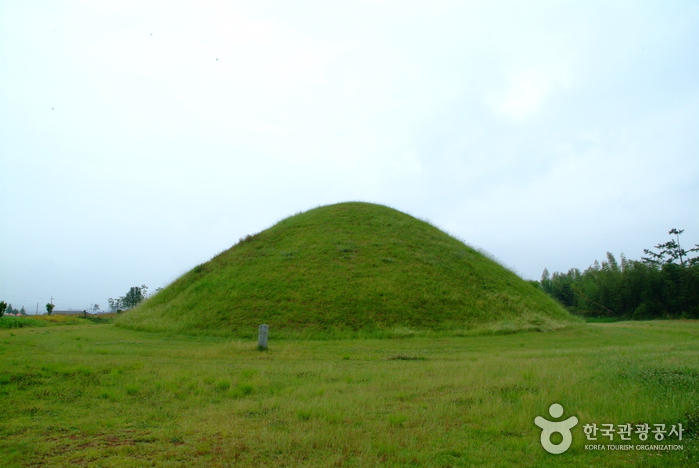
141 138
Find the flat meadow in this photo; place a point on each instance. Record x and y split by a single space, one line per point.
96 395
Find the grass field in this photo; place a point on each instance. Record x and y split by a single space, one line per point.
48 320
101 396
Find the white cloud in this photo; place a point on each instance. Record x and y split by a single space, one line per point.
526 91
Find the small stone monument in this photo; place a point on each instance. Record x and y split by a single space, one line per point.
262 334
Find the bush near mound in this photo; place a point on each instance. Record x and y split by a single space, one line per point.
350 268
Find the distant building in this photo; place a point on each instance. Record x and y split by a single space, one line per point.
83 313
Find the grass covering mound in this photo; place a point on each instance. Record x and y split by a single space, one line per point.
350 269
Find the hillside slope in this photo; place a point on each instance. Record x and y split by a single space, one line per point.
347 268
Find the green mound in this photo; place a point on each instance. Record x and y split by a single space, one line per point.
349 268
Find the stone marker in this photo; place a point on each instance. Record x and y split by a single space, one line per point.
262 334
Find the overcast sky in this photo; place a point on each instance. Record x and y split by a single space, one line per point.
140 138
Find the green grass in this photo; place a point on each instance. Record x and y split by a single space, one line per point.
20 322
589 319
349 270
49 320
103 396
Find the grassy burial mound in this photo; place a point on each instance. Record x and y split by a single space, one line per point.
348 269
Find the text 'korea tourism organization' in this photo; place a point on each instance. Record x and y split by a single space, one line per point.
607 436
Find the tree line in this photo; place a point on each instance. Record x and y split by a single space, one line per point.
6 308
131 299
663 284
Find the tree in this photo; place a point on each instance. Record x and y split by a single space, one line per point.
135 296
49 308
671 252
3 306
115 304
546 281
